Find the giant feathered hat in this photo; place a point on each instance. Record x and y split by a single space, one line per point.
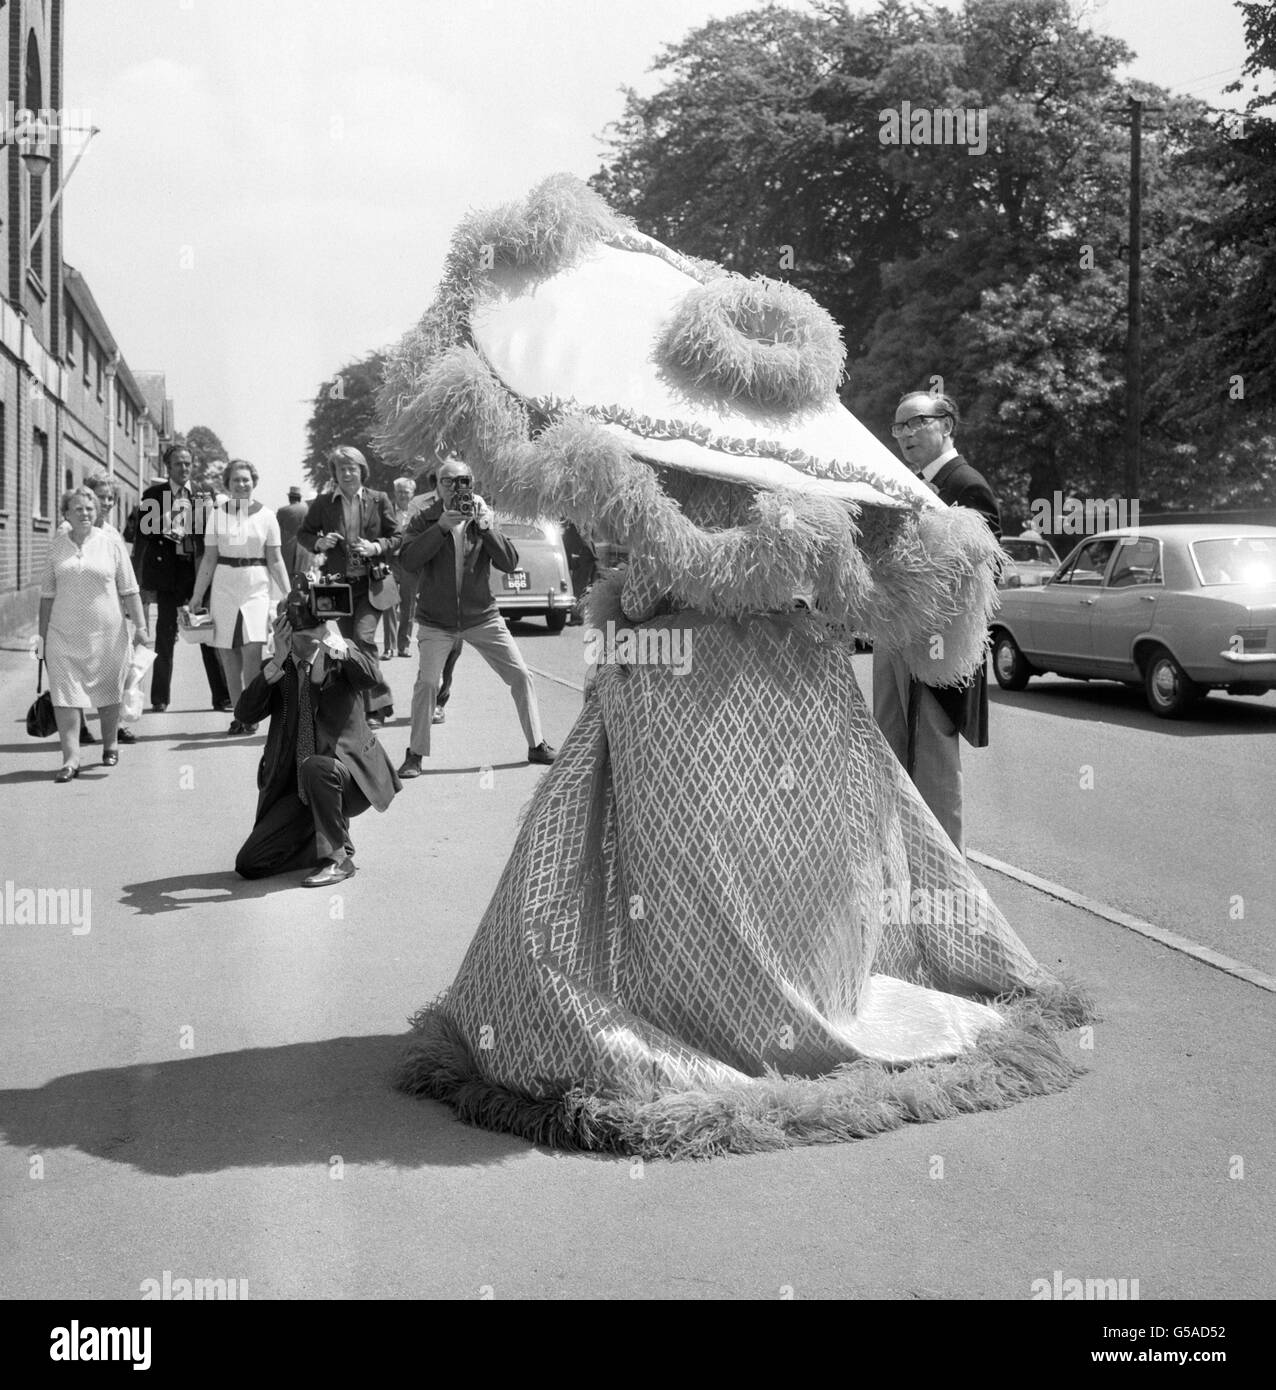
587 371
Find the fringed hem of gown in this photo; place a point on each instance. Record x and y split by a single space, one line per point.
857 1099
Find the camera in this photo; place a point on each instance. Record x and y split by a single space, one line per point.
311 603
463 497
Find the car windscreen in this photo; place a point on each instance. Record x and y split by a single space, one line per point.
1034 552
1236 560
520 531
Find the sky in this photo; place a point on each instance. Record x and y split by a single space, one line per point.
274 185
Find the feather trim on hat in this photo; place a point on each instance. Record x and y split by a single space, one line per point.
919 580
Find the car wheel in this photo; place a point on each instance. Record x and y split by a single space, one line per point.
556 621
1008 663
1170 692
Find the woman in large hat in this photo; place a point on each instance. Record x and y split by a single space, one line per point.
728 922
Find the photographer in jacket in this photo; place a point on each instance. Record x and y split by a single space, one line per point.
322 764
453 544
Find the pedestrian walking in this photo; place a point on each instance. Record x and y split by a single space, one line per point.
87 587
291 518
168 547
241 559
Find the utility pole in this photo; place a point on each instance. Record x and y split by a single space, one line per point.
1134 314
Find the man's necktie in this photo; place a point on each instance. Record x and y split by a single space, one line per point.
305 726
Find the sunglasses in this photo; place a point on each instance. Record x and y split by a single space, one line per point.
913 424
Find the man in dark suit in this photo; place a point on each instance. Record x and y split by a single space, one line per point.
352 528
322 764
167 549
290 521
922 723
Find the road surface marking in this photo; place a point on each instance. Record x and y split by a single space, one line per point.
1205 954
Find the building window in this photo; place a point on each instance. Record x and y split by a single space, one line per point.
88 357
119 404
37 216
70 335
40 468
98 357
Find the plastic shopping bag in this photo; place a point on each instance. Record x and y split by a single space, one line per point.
132 701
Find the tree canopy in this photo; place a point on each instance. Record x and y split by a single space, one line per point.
997 262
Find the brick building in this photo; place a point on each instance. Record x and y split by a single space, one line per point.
67 397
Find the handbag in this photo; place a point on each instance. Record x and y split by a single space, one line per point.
41 721
195 627
383 591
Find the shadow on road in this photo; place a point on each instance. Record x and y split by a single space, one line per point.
179 891
1109 703
303 1103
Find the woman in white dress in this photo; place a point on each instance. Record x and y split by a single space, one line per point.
241 558
88 586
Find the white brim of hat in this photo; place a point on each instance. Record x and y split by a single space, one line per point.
584 339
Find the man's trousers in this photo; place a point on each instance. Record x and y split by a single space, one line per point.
492 640
935 762
295 836
166 605
361 628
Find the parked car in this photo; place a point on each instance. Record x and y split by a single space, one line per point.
1179 610
1032 562
541 585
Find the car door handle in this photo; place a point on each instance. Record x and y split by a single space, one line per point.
1087 602
1147 598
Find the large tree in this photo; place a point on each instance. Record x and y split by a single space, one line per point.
345 412
1000 266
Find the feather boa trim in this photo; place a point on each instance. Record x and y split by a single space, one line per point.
920 582
858 1099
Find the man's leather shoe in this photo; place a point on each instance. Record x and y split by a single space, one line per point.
86 734
126 735
403 651
542 753
159 709
221 707
438 716
387 654
411 766
376 721
330 873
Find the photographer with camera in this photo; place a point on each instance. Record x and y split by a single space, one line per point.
453 544
353 529
321 765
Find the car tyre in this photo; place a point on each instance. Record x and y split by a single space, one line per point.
556 621
1170 691
1009 664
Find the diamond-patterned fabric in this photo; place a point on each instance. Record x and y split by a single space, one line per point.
727 871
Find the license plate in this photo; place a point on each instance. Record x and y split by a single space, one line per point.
517 580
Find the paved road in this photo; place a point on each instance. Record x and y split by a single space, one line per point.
197 1084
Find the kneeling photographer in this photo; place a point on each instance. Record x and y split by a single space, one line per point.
322 763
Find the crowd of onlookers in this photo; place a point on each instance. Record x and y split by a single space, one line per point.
202 554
